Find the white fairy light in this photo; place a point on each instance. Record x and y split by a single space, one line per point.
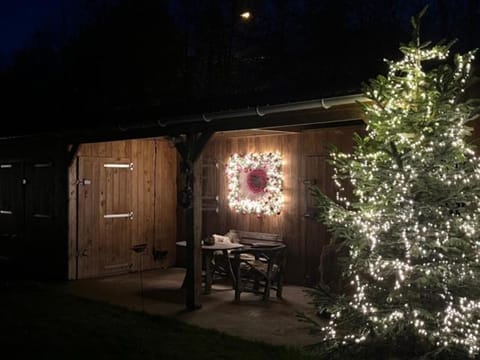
270 201
413 227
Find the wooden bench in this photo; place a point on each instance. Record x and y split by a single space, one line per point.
248 238
257 238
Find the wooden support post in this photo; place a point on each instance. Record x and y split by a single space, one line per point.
72 153
197 221
194 263
190 148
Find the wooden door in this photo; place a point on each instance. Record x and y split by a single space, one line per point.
40 228
318 172
210 195
11 211
105 216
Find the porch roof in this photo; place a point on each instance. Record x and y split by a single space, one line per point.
153 122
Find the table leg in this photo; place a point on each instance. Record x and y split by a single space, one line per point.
208 271
184 283
230 268
238 282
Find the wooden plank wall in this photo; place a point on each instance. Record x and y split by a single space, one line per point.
316 170
166 201
304 237
152 196
72 221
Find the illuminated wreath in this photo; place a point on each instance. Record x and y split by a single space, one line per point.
255 183
257 180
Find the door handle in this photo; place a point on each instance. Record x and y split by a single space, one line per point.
120 215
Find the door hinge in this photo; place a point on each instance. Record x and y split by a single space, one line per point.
83 252
119 215
119 166
309 182
83 182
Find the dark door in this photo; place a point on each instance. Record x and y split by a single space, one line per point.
28 232
42 232
12 240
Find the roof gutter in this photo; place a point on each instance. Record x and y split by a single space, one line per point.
260 111
324 103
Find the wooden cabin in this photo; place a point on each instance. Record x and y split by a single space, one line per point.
135 182
73 206
75 209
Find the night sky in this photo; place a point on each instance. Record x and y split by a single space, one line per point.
20 18
129 57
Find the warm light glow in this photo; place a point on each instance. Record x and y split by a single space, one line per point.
265 199
412 227
245 15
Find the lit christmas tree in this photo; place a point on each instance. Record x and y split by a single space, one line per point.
412 228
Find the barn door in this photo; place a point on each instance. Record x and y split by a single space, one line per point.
105 216
40 229
318 172
11 211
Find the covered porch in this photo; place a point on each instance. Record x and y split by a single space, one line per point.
273 322
155 188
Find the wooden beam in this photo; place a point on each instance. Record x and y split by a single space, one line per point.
190 148
193 278
72 152
181 147
200 143
197 227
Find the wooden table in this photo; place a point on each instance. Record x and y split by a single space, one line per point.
208 251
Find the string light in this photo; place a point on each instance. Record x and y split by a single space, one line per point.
270 201
412 230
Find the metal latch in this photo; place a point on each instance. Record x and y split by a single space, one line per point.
83 182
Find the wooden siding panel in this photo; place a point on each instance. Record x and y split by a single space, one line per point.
72 220
104 244
304 237
318 171
135 152
166 202
115 251
88 213
143 200
153 181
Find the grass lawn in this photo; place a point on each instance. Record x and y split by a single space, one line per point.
40 321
